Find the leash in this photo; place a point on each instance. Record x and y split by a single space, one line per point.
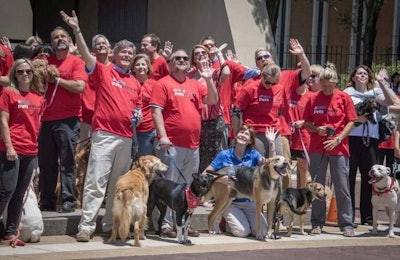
84 140
172 159
136 116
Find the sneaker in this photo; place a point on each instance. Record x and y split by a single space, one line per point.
83 236
193 233
167 232
316 230
349 233
67 207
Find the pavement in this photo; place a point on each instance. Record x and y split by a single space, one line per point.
58 242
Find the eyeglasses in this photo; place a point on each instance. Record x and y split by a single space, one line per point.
269 83
264 57
199 53
21 72
185 58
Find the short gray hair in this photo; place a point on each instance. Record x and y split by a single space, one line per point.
122 45
97 36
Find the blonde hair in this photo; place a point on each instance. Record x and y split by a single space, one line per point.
271 69
146 59
36 83
316 69
329 73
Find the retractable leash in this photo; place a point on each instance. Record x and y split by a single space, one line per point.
293 129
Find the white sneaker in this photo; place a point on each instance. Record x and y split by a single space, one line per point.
83 236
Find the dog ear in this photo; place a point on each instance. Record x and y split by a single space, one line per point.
195 176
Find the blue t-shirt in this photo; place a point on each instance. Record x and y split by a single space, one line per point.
227 158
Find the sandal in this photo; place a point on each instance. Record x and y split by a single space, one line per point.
348 233
316 230
13 241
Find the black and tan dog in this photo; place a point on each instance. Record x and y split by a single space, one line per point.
261 184
297 202
367 107
180 198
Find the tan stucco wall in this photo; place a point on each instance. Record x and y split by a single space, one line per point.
15 19
241 25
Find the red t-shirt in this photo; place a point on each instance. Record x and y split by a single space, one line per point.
389 144
6 60
160 68
290 80
210 112
334 111
182 104
147 122
225 92
25 109
117 95
61 103
296 109
88 101
261 106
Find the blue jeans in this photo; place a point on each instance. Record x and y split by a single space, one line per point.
57 145
15 177
146 142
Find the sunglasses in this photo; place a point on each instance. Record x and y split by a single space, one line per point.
269 83
264 57
312 76
199 53
185 58
21 72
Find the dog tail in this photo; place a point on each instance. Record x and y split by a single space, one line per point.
289 202
125 197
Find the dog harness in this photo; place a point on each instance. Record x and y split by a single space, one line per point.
192 201
380 191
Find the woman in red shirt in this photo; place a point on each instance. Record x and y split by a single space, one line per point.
330 116
21 106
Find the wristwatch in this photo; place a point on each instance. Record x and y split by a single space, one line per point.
338 140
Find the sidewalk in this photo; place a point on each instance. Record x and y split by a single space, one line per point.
65 247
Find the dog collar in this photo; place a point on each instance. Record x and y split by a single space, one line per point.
383 190
192 201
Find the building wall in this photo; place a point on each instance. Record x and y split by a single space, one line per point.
16 19
236 22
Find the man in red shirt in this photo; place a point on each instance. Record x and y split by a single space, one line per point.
60 125
176 108
150 45
117 96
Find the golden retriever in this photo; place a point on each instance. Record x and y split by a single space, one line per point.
131 195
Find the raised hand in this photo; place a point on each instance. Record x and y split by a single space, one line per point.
6 42
205 70
382 75
295 47
72 21
270 133
167 51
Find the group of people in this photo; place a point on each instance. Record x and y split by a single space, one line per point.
195 110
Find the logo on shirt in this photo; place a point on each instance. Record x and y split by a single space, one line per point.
319 110
179 92
293 103
23 104
264 98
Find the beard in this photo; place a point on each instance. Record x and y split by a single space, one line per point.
62 45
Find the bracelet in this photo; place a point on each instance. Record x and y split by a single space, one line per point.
56 81
78 31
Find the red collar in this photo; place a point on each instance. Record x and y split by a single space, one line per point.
385 189
192 201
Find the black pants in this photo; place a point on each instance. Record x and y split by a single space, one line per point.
362 158
389 154
15 177
57 145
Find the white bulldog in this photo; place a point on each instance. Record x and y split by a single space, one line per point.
385 193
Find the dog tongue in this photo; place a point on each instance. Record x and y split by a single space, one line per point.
281 171
374 180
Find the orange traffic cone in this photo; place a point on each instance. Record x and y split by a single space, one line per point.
332 213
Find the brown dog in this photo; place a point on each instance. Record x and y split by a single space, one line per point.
82 159
298 201
261 184
131 195
47 72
